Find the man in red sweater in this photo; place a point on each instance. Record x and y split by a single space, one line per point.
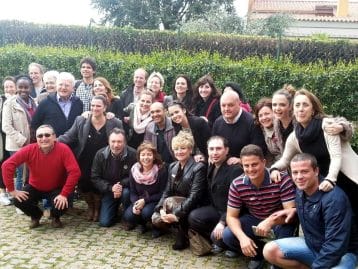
54 173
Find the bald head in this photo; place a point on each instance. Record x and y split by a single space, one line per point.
230 105
157 112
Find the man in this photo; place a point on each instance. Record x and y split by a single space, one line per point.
54 173
255 192
110 175
160 132
132 93
59 109
330 235
237 126
210 220
83 87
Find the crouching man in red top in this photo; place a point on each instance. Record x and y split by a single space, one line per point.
54 173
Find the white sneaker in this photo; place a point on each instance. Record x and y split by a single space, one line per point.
19 212
4 200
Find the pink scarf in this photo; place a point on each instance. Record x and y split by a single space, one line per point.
145 179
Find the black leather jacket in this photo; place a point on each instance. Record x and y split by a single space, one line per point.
101 177
192 185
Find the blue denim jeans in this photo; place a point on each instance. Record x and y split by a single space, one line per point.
109 207
143 218
295 248
247 221
19 182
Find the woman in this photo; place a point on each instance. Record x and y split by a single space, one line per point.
17 112
90 134
139 118
50 79
155 84
9 85
147 181
337 161
207 99
184 191
101 86
265 119
197 126
36 72
181 91
232 86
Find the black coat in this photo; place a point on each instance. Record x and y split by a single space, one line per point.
101 176
218 187
192 185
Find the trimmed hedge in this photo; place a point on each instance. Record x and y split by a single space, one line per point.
148 41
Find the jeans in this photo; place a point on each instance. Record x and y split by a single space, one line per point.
30 206
109 207
143 218
295 248
247 221
19 182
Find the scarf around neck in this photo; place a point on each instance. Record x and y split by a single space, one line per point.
140 121
29 107
145 179
310 133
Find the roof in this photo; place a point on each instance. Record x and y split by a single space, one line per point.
303 10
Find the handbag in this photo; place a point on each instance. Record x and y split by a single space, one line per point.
199 245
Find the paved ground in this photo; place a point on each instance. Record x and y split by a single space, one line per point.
81 244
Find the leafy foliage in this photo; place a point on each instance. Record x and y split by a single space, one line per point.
149 14
129 40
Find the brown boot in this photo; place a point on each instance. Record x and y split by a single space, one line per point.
97 207
88 197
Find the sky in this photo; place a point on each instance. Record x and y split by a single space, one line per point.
67 12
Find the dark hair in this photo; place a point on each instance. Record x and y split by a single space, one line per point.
305 157
237 88
188 83
117 130
252 150
263 102
102 98
202 81
218 137
25 77
147 145
90 61
181 105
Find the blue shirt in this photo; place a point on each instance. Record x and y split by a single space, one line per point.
326 223
65 105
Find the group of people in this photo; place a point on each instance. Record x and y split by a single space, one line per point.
198 161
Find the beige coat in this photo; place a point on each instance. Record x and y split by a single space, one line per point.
15 125
342 156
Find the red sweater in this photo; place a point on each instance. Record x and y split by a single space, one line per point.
57 169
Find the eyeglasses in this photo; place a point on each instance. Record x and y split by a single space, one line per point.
43 135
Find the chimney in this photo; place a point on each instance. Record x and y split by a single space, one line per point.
342 8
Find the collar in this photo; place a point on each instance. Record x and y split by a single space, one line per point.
267 181
235 119
59 99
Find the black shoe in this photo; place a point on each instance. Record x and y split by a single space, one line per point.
143 229
34 223
156 233
56 223
256 264
182 241
128 226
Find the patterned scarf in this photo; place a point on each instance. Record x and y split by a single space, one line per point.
145 179
140 121
29 107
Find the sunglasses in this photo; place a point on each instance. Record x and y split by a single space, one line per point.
43 135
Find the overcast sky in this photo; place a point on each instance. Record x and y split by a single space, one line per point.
69 12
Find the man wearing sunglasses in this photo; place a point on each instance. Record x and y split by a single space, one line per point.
54 173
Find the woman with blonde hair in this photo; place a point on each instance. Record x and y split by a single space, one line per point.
184 192
155 84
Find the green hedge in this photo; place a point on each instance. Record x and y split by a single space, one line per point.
148 41
335 85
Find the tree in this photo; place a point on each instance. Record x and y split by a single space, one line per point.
149 14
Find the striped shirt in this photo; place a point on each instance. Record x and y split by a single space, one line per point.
263 201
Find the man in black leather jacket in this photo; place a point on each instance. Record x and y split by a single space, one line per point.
110 175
